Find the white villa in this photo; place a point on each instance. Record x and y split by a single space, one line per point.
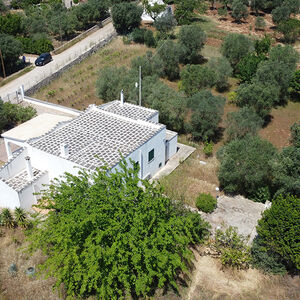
52 145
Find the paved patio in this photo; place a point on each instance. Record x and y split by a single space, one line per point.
182 154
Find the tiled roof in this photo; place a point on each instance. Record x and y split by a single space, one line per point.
96 136
129 110
21 180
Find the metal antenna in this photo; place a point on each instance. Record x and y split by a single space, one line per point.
140 86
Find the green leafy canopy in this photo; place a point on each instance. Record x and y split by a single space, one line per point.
105 234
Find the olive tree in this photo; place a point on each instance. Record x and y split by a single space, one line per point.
241 123
245 166
236 46
207 112
191 39
222 70
11 50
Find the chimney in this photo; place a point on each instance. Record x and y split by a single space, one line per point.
122 97
29 168
64 150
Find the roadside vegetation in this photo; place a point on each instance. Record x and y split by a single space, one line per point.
13 114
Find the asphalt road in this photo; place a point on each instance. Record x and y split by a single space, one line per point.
59 61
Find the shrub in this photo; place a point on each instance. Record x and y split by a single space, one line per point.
263 46
126 16
20 217
206 203
245 166
232 248
208 148
279 230
248 65
13 114
7 218
149 39
39 46
138 35
260 23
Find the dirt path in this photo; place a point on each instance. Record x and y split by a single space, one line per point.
60 60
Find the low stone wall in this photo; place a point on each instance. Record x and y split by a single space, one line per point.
80 58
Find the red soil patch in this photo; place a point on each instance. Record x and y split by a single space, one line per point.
245 27
213 42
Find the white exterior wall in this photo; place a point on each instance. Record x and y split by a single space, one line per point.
27 199
157 143
14 166
173 146
9 198
55 165
154 119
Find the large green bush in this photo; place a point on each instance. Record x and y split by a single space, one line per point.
264 259
108 236
206 203
126 16
279 230
36 46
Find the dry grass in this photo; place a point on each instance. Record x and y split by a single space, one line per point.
278 130
191 177
211 281
21 287
76 87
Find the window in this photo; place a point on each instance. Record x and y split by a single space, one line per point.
151 155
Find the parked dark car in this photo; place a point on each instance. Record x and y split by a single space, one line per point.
43 59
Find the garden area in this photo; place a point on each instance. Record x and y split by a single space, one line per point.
232 95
